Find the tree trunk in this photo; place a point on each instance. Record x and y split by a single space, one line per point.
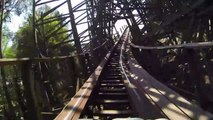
19 94
10 111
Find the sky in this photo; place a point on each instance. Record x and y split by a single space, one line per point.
17 21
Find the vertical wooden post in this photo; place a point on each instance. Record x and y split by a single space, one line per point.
73 75
83 65
196 73
74 29
29 90
35 39
135 30
42 42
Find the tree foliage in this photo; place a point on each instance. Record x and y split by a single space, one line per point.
26 46
9 8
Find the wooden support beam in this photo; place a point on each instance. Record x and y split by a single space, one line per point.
180 46
29 90
74 29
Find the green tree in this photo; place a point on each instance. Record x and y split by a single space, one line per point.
7 7
54 45
7 39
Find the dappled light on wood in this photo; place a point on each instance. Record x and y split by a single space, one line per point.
106 59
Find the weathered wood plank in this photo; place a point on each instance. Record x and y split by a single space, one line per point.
73 109
171 103
14 61
187 45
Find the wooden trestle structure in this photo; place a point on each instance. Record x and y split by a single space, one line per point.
120 88
156 65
